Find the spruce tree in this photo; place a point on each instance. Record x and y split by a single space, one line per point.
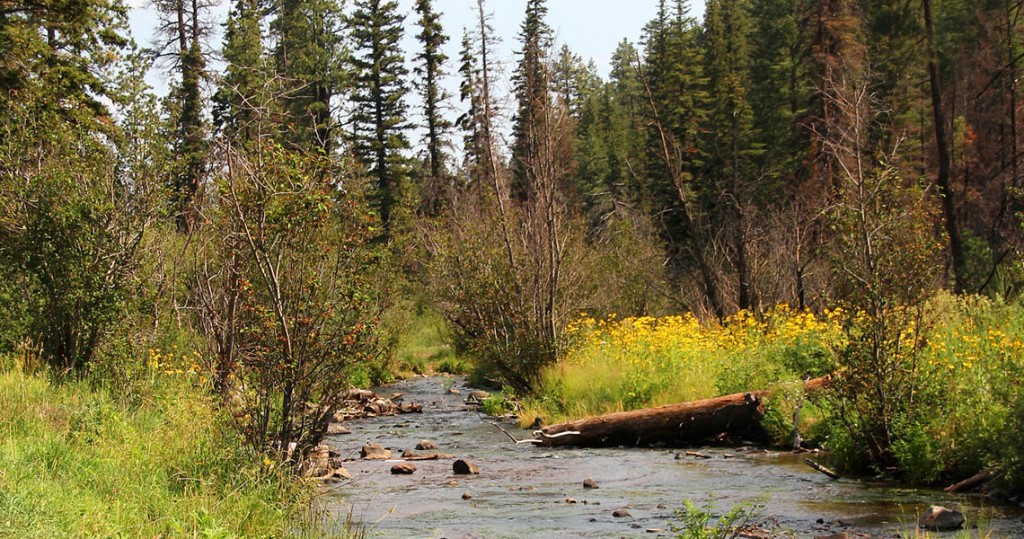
431 70
379 118
237 101
54 56
310 59
184 29
530 86
730 146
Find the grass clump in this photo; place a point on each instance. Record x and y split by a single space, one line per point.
425 346
79 461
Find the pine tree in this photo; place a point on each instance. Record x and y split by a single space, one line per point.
379 118
431 70
531 87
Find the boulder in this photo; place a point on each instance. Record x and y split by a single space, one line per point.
938 518
621 512
335 429
589 483
374 452
426 445
462 467
403 468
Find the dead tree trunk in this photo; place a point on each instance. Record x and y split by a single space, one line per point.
736 415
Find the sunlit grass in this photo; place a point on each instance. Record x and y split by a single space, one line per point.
424 347
76 461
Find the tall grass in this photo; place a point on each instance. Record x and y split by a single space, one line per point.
80 461
424 345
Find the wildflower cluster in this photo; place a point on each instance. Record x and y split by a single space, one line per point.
173 363
612 363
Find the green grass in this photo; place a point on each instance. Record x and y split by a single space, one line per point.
424 347
77 461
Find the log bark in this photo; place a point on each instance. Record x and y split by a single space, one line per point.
736 415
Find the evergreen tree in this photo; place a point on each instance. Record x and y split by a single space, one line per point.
379 118
236 103
54 56
184 28
469 121
730 191
531 87
310 59
431 70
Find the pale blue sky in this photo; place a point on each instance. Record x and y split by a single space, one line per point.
592 28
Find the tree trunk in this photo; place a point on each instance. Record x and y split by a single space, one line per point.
956 246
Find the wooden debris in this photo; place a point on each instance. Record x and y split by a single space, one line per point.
975 480
821 469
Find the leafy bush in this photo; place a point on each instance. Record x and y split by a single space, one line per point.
73 215
286 290
697 522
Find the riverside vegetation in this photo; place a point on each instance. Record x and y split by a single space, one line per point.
958 369
272 222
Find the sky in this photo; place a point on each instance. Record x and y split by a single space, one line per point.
591 28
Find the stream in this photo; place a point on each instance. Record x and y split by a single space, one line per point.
524 491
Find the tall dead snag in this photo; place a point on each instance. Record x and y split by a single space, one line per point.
736 415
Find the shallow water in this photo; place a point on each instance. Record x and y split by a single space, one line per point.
522 491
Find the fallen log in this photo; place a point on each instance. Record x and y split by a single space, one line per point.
971 482
821 469
737 415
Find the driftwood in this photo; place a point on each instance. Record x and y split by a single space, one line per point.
971 482
736 415
821 469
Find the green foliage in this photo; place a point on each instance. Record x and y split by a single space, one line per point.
379 115
309 58
296 304
424 345
77 462
696 522
74 213
499 404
